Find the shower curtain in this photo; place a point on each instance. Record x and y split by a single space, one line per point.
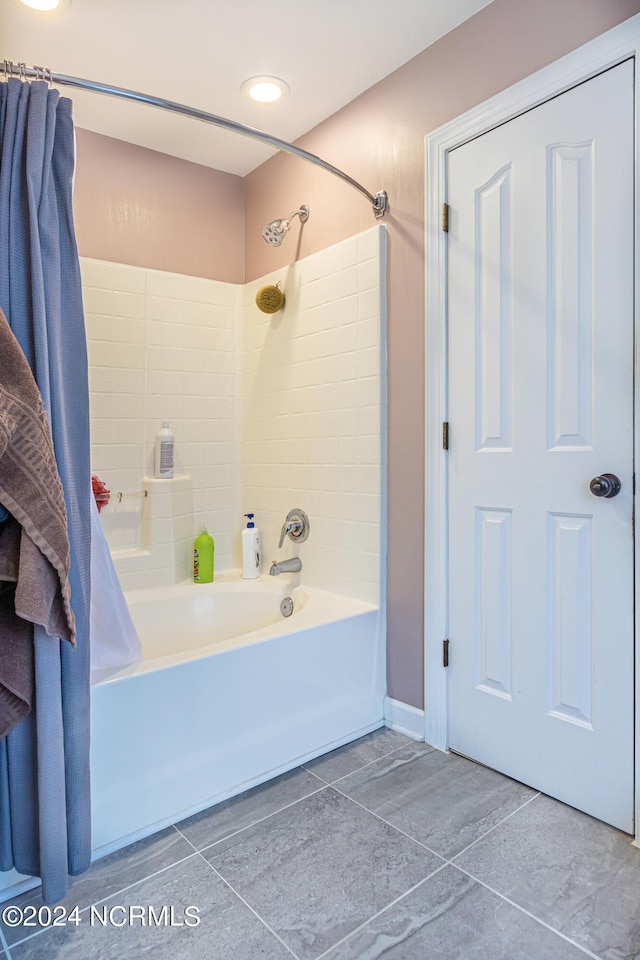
44 761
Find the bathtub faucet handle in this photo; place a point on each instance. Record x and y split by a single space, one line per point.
296 526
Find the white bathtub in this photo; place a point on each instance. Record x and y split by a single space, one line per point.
229 693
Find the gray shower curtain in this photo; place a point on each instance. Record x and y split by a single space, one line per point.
44 761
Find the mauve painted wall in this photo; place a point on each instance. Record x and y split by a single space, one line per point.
137 206
379 139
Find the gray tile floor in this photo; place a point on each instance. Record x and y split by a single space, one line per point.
384 848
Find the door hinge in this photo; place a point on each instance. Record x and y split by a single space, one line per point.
445 217
445 653
445 435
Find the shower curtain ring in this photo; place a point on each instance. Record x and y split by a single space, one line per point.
22 70
48 77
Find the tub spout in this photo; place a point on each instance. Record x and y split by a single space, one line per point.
294 565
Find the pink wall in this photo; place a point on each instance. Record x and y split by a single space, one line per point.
379 140
146 209
137 206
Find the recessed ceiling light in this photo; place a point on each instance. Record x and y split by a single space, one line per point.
46 5
264 89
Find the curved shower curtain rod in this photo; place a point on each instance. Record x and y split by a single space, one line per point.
21 70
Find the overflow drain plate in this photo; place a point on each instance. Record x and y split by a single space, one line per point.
286 607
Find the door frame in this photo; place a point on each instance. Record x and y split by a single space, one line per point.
611 48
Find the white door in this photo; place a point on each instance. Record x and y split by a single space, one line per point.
540 327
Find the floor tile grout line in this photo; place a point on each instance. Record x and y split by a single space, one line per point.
324 786
392 825
382 910
426 847
324 756
192 845
248 906
369 763
528 913
495 826
115 893
330 783
130 886
4 944
254 823
316 775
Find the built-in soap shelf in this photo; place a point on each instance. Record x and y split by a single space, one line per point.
160 516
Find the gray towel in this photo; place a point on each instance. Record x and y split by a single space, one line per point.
34 546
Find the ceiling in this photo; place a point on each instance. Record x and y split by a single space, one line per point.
199 52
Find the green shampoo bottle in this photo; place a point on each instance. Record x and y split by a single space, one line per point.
203 558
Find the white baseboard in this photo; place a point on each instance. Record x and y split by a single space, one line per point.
404 718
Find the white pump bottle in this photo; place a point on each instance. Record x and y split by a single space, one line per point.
250 550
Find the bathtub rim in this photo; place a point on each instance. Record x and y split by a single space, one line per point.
344 608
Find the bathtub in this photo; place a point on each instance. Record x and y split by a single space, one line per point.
229 693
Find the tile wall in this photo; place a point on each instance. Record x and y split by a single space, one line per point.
312 422
269 412
163 346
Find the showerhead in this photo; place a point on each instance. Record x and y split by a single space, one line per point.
275 231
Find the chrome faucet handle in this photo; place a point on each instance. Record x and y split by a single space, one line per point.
286 528
296 526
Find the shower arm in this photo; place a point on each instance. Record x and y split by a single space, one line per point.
378 200
303 213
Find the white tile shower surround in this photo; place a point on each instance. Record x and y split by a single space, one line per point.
311 382
163 347
269 412
385 849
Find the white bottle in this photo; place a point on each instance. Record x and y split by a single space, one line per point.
164 452
250 550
